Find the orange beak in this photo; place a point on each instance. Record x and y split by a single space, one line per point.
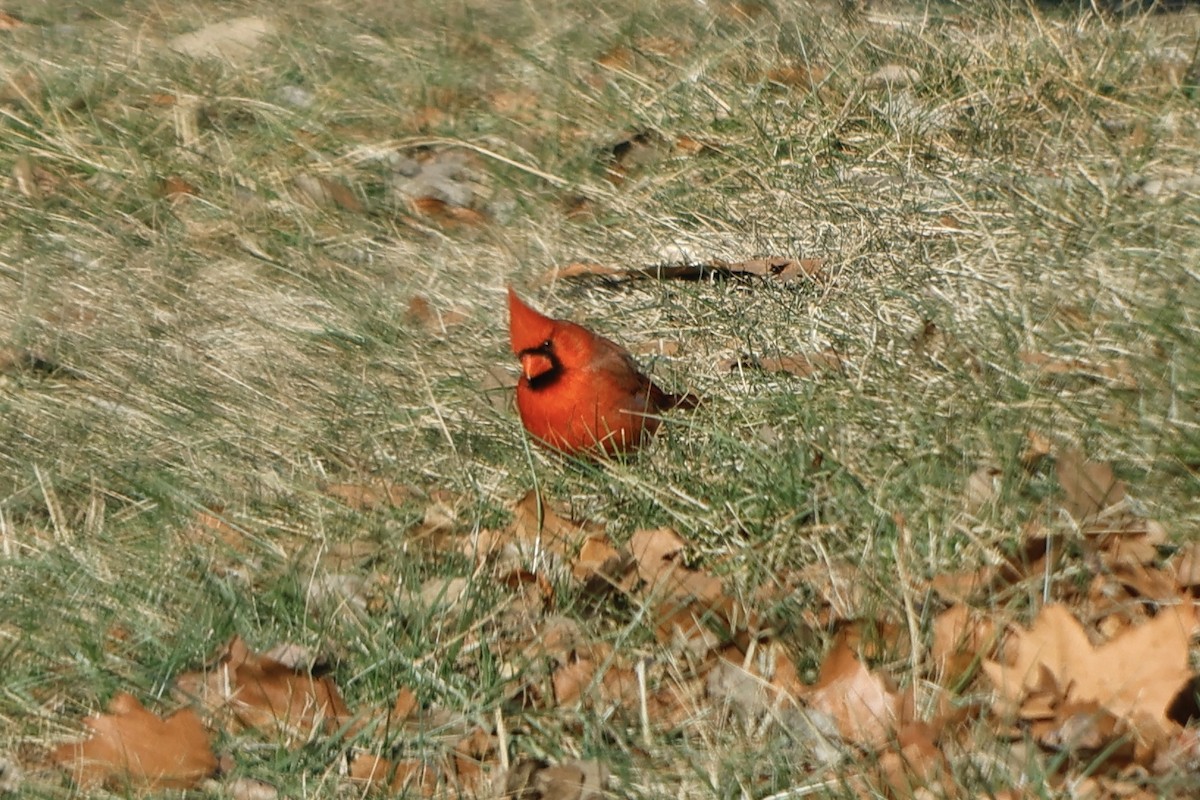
535 364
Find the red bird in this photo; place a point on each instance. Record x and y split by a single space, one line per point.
579 393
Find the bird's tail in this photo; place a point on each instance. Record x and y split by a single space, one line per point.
665 401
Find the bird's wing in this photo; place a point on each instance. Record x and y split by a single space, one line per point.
615 361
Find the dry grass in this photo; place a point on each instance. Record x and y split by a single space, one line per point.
1033 190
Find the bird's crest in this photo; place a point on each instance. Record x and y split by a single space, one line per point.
527 329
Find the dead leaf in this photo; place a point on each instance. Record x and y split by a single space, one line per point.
422 313
235 39
14 360
917 764
1135 676
8 22
447 215
210 524
131 746
662 46
892 76
1036 557
33 180
633 154
843 588
689 146
580 269
960 636
801 365
595 555
863 704
1036 450
1124 539
796 76
443 592
654 551
1089 486
982 485
174 187
376 772
324 192
657 347
534 779
242 689
516 104
776 268
248 789
1118 373
540 524
370 496
498 386
618 57
1187 567
10 776
428 118
20 87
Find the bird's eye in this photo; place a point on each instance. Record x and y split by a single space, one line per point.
545 345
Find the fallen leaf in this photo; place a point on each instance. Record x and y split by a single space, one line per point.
1135 676
657 347
662 46
441 593
1187 567
14 360
617 57
580 269
513 103
175 187
914 764
33 180
422 313
324 192
840 584
1036 449
20 87
862 703
209 524
242 689
801 365
10 776
427 118
234 40
447 215
892 76
371 496
539 524
498 386
8 22
654 551
375 772
689 146
981 488
777 268
1118 373
595 555
1090 486
131 746
796 76
634 153
961 635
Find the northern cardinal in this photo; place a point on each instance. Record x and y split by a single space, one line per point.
579 393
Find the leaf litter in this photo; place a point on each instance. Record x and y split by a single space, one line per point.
1101 673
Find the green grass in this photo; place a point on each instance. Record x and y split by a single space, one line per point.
242 348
